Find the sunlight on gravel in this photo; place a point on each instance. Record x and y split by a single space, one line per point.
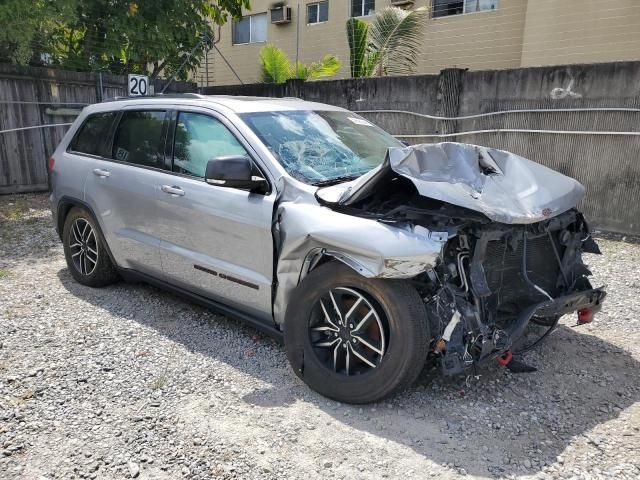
131 382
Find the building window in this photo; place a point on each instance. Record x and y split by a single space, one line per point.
362 8
251 29
445 8
317 12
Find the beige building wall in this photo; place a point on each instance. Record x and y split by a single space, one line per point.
581 31
478 41
518 33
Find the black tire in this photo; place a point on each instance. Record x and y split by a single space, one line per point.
103 272
408 335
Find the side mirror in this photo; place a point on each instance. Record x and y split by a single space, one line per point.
233 171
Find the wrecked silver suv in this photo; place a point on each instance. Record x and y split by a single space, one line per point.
370 258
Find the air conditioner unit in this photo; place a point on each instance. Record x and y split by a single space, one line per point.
402 3
280 15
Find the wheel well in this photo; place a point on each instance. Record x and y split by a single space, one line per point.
63 210
320 256
65 206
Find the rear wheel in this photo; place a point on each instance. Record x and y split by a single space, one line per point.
355 339
85 251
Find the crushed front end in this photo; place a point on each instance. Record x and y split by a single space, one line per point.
514 245
495 278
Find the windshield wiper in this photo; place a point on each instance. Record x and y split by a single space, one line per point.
336 180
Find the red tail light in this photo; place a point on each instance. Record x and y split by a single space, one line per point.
585 315
505 358
51 163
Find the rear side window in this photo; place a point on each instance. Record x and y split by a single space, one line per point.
92 134
138 138
200 138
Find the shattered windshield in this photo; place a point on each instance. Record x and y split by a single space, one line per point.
321 147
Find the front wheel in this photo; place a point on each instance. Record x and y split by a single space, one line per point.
355 339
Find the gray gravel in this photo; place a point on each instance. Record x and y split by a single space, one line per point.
132 382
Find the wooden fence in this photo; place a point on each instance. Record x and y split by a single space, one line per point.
31 96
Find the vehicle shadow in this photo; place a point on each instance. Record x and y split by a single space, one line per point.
505 424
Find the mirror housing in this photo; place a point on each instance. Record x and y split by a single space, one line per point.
233 171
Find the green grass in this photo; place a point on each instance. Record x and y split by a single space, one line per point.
158 382
4 273
15 211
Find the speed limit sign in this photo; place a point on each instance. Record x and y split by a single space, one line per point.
138 85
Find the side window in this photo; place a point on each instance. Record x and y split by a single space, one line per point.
138 138
200 138
91 135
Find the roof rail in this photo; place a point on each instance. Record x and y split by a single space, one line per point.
158 95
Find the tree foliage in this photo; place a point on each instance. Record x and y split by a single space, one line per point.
117 36
275 66
358 37
389 45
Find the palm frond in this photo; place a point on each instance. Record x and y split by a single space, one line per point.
327 67
397 36
358 36
275 66
302 71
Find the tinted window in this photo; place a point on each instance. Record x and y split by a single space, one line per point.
138 139
91 135
200 138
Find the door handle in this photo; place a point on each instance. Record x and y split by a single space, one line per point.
101 173
172 190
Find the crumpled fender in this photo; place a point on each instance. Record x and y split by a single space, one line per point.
373 249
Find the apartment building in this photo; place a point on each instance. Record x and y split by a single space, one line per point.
474 34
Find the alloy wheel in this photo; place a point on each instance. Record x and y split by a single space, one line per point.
83 246
348 331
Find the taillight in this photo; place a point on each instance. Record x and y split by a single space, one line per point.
51 163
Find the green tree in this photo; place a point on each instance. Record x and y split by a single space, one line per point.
275 66
118 36
389 45
21 22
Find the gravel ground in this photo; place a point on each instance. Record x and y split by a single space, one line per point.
129 381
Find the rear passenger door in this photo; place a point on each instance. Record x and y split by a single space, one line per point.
121 188
216 241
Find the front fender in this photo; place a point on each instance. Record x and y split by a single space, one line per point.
305 232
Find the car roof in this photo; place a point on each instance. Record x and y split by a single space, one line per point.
238 104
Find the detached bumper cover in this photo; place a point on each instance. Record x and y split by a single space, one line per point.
591 299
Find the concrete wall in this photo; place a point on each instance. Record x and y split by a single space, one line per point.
518 33
606 164
32 96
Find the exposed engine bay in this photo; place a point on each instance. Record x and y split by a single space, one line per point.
501 265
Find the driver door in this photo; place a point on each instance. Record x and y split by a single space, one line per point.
215 241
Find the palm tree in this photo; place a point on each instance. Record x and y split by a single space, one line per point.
275 66
389 45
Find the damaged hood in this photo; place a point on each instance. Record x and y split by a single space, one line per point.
503 186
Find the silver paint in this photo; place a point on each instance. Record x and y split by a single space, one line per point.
304 228
242 235
505 187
